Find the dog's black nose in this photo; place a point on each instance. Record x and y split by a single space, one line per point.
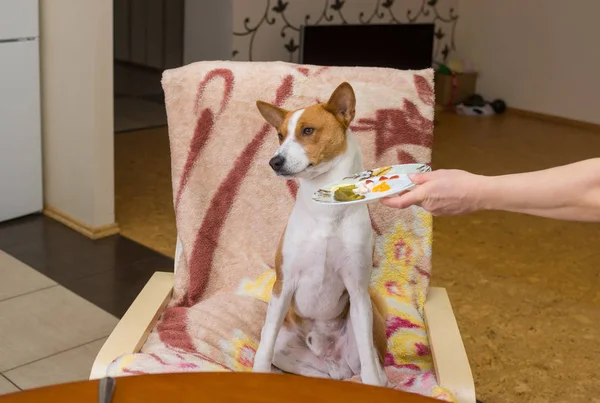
277 163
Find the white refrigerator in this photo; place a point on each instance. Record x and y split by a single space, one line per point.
20 115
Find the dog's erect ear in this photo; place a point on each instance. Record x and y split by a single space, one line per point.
272 114
342 103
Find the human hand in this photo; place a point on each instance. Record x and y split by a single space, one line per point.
442 192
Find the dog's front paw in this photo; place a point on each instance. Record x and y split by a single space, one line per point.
383 376
385 381
261 367
373 378
261 364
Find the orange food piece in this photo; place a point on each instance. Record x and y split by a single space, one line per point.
382 187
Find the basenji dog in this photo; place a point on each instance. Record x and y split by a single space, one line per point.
323 319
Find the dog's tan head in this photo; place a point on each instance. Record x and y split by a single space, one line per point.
310 138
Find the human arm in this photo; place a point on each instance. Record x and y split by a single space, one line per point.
569 192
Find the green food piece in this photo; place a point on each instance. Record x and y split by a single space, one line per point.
346 193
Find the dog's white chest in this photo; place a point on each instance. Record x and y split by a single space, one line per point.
313 269
314 254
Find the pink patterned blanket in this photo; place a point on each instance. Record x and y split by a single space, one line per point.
231 210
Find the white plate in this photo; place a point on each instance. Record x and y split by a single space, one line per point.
395 176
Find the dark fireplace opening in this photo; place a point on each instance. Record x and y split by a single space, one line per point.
399 46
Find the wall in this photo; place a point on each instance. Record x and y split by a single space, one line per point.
149 32
207 30
77 108
269 29
538 56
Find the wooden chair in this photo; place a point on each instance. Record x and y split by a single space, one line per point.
450 359
386 88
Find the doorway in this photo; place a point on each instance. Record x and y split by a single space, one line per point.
148 38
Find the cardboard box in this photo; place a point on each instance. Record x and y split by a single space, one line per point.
453 89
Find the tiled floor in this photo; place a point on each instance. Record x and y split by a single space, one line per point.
48 334
74 364
61 294
108 272
7 386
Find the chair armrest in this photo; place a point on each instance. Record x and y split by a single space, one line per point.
133 329
449 356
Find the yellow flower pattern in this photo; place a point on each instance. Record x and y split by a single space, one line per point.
239 351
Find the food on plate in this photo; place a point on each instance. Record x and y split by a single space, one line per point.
346 193
362 188
369 185
382 187
382 171
336 187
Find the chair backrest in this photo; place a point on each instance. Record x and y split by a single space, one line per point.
230 207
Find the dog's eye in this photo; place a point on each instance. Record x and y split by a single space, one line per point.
280 136
307 131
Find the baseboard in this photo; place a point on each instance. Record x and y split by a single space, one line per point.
555 119
81 227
